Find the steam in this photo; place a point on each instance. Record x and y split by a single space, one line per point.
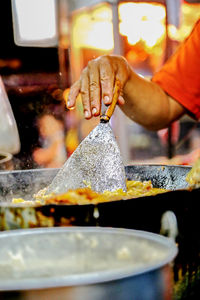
24 184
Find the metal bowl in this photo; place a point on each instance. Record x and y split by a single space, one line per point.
86 263
175 213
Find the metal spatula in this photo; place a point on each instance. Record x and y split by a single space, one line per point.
96 162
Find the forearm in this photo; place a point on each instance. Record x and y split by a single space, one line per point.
147 104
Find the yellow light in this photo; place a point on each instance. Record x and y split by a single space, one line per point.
94 29
102 12
133 38
190 13
173 32
141 11
101 36
142 22
152 32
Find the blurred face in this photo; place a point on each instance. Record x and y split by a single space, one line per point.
49 126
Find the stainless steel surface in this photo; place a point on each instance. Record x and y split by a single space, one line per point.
76 257
143 213
25 183
96 162
75 5
169 177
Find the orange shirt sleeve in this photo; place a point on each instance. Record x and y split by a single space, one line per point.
180 75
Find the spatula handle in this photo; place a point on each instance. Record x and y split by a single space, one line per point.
108 114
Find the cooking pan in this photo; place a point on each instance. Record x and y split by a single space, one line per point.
175 213
123 213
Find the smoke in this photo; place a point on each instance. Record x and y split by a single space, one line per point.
24 183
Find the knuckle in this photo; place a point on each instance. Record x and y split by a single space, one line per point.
93 85
94 101
105 57
85 102
91 64
123 67
105 77
122 77
84 92
120 58
84 73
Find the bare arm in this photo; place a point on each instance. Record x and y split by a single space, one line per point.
147 104
141 100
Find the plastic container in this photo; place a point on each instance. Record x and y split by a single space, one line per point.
9 136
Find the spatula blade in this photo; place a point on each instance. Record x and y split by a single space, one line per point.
96 162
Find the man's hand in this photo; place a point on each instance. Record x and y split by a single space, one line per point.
145 102
96 83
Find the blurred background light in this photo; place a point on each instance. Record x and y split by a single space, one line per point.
35 22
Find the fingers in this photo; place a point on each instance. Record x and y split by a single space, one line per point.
96 84
94 88
81 86
85 94
121 100
73 94
113 68
107 80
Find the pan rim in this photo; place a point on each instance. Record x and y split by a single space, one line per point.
92 277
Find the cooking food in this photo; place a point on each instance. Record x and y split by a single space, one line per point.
193 177
87 195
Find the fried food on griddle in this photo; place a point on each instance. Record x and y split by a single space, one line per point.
88 196
193 177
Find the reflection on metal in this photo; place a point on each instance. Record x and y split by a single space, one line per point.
119 122
25 183
173 11
75 5
33 217
80 4
169 226
168 53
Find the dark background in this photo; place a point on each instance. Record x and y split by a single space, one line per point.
29 86
34 59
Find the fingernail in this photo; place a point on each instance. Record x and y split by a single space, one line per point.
121 99
94 111
106 99
68 103
86 114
